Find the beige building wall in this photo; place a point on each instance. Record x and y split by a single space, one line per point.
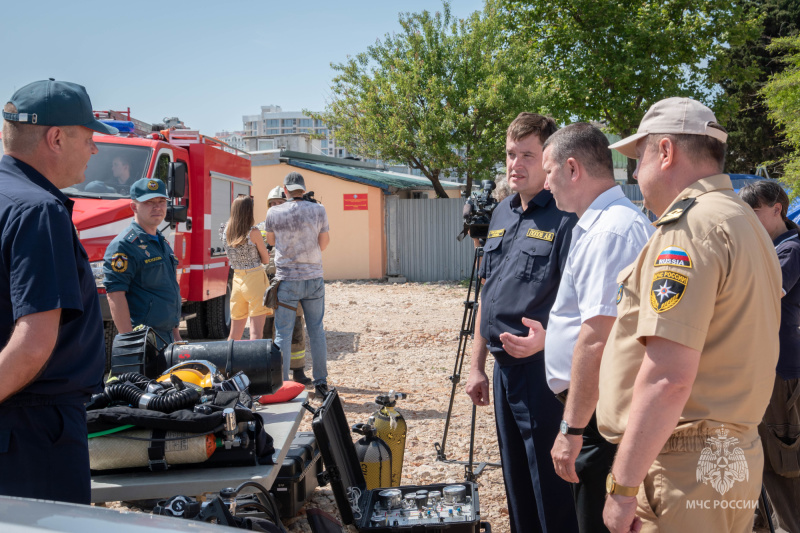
357 248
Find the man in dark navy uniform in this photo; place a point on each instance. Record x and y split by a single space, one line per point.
139 268
51 330
524 256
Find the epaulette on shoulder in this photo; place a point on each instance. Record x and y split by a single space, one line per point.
676 212
130 236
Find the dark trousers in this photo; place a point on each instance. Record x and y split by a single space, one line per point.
780 437
528 416
44 452
592 466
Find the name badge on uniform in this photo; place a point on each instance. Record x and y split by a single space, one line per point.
667 290
152 259
541 235
496 233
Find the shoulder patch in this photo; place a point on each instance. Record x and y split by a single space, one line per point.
130 236
541 235
673 256
119 262
619 293
667 290
496 233
677 212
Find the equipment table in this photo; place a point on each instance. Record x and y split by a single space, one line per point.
280 421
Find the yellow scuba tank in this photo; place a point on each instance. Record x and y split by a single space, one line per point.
390 426
374 455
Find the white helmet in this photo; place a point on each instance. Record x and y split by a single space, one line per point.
276 194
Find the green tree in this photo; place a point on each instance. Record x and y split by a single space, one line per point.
436 96
609 60
782 94
753 139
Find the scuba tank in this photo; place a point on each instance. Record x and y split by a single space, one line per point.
390 426
120 451
374 455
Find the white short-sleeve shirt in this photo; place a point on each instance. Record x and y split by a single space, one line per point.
607 238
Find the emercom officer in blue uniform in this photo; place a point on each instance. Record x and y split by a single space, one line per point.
139 268
51 331
524 256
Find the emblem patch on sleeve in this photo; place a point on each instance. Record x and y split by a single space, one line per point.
541 235
119 262
673 256
667 290
619 293
495 233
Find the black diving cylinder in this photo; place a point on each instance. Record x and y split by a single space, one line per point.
375 457
390 426
260 360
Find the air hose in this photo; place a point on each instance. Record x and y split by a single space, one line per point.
166 403
135 378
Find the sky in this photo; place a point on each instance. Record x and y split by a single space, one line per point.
207 63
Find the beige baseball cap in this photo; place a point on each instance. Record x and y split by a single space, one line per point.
677 115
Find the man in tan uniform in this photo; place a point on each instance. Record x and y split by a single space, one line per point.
688 368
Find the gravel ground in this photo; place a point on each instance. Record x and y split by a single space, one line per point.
405 337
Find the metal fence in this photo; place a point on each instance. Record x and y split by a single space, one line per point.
421 237
421 240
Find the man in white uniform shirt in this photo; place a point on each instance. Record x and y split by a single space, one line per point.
609 235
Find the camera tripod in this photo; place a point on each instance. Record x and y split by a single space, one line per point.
467 330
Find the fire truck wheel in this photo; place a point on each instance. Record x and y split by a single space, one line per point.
218 313
110 331
196 327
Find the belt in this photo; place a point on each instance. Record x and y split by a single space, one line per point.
562 396
246 270
694 440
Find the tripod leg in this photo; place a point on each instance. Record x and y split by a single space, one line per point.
467 331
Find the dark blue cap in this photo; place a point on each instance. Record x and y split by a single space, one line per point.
145 189
55 103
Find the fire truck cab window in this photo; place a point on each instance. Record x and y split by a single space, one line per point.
112 171
162 168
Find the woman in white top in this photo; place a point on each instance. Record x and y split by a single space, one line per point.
246 252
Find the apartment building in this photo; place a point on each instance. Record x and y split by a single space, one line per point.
275 129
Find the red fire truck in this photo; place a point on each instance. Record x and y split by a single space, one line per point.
203 176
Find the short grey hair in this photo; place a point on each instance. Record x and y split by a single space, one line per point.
585 143
19 137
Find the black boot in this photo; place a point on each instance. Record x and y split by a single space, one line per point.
300 377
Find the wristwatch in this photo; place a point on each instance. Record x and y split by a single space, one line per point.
566 430
612 487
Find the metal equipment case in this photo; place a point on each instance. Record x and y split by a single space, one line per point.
364 508
297 477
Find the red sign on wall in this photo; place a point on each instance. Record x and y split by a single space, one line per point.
355 202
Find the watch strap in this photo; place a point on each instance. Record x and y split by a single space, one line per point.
571 430
612 487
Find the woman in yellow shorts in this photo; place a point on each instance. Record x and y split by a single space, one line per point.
246 252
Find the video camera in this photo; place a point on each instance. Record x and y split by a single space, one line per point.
478 211
309 197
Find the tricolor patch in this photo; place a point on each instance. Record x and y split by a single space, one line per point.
673 256
119 262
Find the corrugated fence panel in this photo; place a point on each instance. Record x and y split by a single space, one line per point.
426 240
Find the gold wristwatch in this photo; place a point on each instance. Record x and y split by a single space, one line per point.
612 487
